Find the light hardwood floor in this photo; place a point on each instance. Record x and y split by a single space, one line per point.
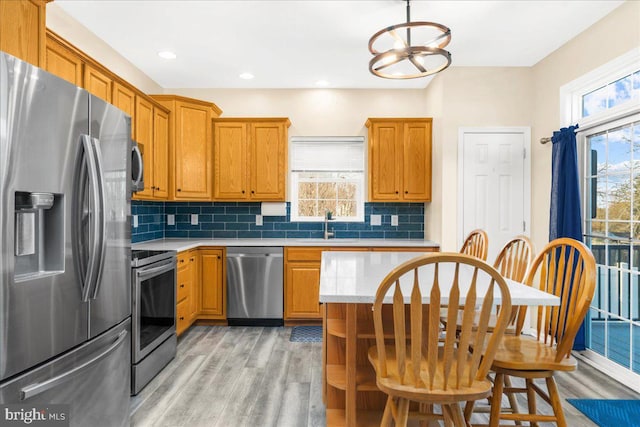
255 377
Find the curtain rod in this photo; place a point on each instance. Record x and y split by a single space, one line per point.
546 139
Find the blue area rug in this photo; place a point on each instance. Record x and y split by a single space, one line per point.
306 334
610 413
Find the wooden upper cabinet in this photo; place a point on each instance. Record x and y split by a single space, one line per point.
144 138
160 154
399 160
22 30
250 159
125 99
268 155
63 61
97 82
230 180
190 147
416 162
385 161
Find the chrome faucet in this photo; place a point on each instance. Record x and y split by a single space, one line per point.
327 233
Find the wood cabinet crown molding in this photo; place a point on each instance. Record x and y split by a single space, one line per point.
215 109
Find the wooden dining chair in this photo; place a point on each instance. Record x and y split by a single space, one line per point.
411 364
476 244
565 268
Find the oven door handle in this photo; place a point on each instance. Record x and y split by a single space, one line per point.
142 273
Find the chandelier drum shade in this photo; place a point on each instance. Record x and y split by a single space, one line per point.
410 50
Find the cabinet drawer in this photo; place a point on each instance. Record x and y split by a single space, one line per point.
304 254
182 287
182 316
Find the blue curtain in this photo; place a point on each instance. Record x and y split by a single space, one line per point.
565 215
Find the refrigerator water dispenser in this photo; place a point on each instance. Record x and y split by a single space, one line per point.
38 233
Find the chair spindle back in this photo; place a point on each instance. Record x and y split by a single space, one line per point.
421 360
476 244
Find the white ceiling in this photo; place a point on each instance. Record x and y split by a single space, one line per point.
293 44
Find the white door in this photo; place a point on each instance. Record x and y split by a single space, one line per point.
495 184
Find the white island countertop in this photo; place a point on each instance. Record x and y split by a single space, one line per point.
354 277
179 245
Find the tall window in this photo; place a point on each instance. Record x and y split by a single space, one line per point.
606 105
327 175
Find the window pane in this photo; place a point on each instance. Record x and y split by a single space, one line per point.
307 190
308 208
619 230
620 197
346 208
622 91
327 190
598 227
595 101
635 330
327 205
347 191
619 149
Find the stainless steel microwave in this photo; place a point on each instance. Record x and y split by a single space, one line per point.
137 168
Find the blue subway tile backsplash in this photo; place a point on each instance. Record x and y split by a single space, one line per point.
231 220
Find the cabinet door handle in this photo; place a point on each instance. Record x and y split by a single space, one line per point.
242 191
181 261
192 259
406 192
397 192
218 256
182 286
253 192
181 317
179 189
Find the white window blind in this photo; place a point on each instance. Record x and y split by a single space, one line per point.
320 154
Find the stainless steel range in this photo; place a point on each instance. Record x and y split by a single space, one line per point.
153 314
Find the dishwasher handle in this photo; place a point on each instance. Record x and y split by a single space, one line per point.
254 255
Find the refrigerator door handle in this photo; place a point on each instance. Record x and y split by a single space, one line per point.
92 268
38 388
100 214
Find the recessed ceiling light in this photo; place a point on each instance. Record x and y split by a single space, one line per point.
167 54
322 83
246 76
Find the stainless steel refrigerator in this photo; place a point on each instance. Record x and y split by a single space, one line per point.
65 247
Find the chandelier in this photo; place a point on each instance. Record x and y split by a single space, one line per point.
410 50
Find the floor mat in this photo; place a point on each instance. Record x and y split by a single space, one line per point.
610 412
306 334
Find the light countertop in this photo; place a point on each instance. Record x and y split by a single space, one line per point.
354 277
179 245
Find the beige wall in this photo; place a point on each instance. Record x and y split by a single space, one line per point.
71 30
612 36
469 97
315 112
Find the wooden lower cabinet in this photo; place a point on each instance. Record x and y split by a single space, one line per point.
213 284
302 278
200 287
187 289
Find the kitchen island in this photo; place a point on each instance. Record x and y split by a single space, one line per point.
348 284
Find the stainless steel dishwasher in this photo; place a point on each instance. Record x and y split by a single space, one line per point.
255 286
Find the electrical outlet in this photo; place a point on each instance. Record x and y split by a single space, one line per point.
394 220
259 220
135 221
376 219
194 219
171 219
